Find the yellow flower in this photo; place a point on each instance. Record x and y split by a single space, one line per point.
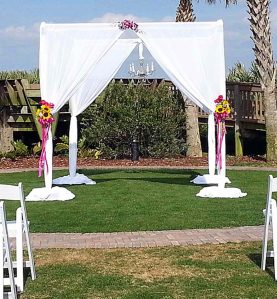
225 103
219 109
45 108
46 115
38 113
228 110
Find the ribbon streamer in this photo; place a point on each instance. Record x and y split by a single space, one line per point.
222 111
42 158
45 118
221 131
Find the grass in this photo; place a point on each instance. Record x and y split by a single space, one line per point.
205 271
132 200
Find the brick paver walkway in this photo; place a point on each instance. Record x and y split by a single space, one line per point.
146 238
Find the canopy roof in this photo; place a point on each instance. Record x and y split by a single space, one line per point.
191 54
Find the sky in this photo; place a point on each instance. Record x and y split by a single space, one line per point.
20 21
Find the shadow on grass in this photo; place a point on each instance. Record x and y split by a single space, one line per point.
256 258
188 176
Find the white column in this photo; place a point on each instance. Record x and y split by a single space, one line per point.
49 157
73 149
222 171
211 144
223 156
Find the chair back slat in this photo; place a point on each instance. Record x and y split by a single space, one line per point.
8 192
8 258
273 183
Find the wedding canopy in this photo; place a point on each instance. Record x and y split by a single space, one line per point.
77 61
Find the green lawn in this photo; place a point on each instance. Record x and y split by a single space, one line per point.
205 271
132 200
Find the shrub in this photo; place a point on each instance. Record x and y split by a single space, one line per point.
62 147
125 112
20 149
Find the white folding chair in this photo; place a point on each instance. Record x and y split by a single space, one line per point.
270 219
18 229
5 255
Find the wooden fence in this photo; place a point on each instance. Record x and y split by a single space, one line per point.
19 100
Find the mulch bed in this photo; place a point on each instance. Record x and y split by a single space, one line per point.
59 161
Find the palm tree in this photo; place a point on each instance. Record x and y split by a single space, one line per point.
185 13
260 27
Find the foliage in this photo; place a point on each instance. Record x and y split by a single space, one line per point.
239 73
125 112
133 200
62 147
20 149
32 76
36 149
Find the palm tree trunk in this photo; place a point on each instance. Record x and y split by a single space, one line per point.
185 13
260 27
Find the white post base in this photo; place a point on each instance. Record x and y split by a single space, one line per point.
77 179
220 192
210 179
46 194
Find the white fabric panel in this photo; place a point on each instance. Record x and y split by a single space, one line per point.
97 80
101 74
211 144
67 53
192 55
73 145
48 171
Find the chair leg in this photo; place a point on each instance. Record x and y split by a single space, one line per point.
29 248
8 251
19 250
1 265
265 237
274 232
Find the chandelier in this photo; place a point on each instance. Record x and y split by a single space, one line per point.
141 71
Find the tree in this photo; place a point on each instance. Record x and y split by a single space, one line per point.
260 27
185 13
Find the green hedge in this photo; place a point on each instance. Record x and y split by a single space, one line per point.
153 116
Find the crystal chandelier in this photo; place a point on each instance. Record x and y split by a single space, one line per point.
142 70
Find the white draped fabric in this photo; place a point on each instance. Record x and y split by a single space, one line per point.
193 58
78 60
97 80
67 53
192 55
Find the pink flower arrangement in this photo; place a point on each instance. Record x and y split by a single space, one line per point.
127 24
45 118
222 109
44 113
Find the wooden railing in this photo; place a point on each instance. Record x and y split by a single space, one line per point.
19 99
246 101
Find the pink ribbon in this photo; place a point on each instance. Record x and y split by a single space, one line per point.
219 136
42 158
